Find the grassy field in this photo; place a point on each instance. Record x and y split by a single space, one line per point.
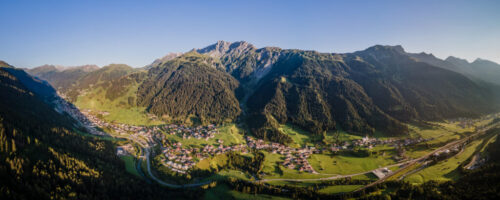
445 170
130 165
230 134
339 189
302 138
441 133
347 163
369 176
223 192
119 110
213 162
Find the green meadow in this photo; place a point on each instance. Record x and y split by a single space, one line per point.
130 165
119 109
347 163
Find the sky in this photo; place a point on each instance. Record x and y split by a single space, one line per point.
73 32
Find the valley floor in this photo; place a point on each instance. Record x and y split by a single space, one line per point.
177 156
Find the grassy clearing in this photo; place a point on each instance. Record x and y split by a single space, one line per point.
213 162
230 134
302 138
347 163
130 165
271 161
339 189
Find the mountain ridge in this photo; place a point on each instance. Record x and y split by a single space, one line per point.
382 87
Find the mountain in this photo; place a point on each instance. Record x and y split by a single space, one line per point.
190 85
380 88
43 155
61 77
480 70
97 78
165 58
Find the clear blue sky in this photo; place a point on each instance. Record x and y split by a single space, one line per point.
137 32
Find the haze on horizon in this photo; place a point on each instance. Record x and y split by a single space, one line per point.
74 33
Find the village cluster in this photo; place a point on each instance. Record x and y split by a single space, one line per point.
180 159
199 132
295 157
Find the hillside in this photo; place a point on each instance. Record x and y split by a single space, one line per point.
480 70
61 78
190 86
378 88
42 157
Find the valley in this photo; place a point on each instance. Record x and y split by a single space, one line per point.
172 152
230 120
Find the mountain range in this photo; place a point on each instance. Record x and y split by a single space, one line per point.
380 88
45 154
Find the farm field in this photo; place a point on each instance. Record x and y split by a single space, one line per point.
302 138
347 163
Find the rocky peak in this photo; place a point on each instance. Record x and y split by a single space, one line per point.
165 58
386 48
222 48
4 64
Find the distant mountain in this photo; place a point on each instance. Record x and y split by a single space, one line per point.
479 70
380 88
42 156
61 77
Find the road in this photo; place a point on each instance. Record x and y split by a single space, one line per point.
146 149
331 177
